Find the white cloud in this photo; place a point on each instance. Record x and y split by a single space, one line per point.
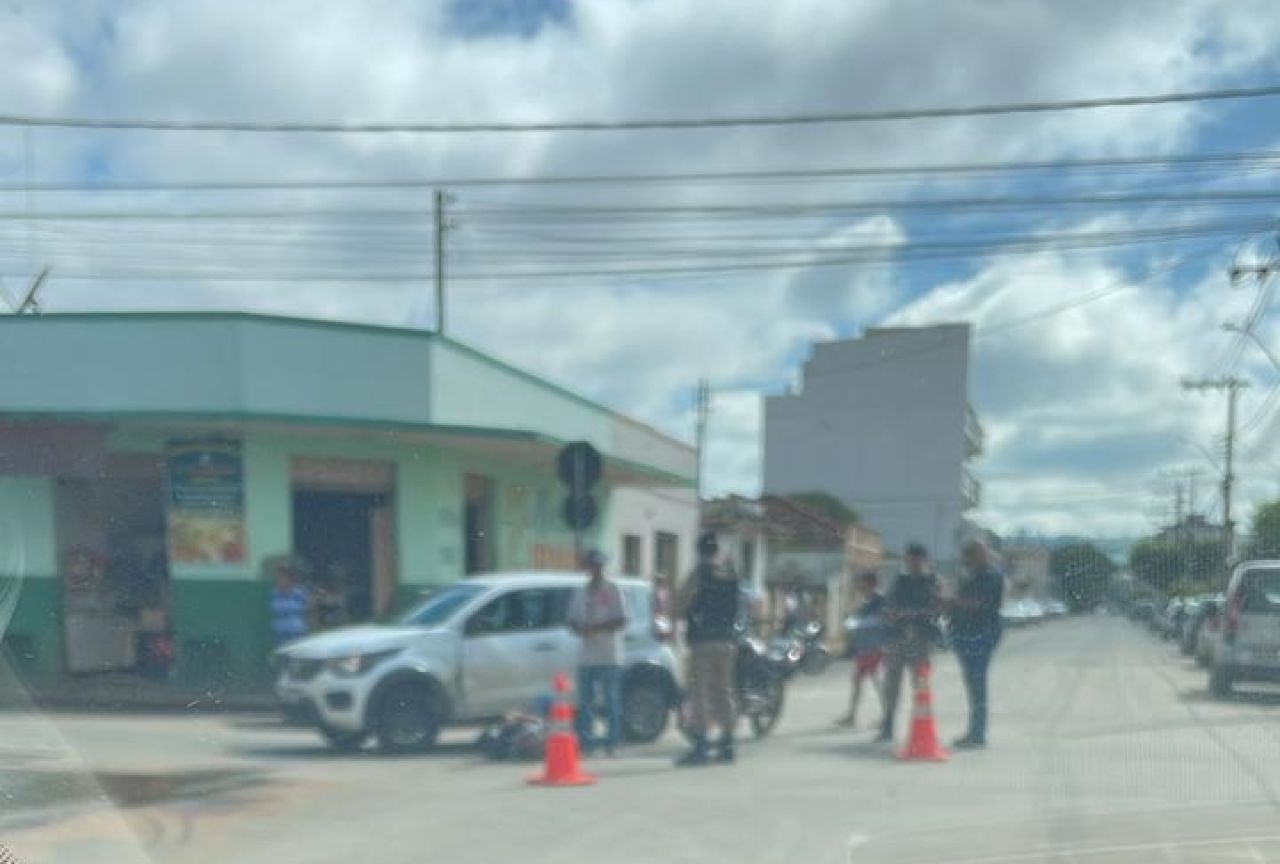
1068 401
1085 405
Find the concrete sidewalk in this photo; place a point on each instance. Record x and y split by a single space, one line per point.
107 693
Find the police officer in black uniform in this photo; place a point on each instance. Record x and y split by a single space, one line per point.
709 602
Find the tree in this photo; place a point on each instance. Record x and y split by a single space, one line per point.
1156 562
825 504
1266 531
1082 574
1171 566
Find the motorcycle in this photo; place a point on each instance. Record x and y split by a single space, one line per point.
759 685
803 649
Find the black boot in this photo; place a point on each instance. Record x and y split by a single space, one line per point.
725 748
697 755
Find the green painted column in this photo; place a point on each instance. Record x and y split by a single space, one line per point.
220 617
30 593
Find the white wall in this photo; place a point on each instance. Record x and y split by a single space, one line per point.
880 422
644 512
732 550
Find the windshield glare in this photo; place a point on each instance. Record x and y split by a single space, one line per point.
440 606
824 431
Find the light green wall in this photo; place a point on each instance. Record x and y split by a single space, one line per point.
521 521
428 501
471 390
30 611
27 541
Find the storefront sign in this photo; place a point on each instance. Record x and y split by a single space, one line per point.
547 556
205 501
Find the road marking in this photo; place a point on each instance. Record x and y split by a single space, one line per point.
855 840
1072 851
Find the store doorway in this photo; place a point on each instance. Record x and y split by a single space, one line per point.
344 532
477 527
334 533
115 571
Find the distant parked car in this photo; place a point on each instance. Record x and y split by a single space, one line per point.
1021 612
1168 622
1181 624
1055 608
1210 632
1193 627
1143 611
1248 646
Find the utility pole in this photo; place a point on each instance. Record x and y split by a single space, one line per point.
1233 386
440 229
700 435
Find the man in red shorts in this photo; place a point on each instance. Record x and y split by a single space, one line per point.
868 643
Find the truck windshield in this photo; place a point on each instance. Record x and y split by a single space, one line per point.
440 606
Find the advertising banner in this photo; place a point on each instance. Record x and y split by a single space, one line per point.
205 485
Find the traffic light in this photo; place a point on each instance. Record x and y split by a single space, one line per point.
579 466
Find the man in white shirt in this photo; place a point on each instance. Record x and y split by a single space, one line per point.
598 614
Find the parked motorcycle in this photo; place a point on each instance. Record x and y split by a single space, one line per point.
759 687
801 649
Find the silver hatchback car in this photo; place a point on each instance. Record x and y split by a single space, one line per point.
465 655
1246 645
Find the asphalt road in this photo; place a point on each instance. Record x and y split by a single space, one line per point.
1104 748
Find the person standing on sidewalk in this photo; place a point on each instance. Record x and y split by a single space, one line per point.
868 644
974 628
910 613
290 602
598 614
709 601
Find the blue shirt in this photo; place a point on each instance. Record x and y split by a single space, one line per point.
289 612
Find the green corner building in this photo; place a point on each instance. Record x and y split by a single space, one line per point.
153 467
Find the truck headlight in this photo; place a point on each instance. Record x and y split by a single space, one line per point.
357 664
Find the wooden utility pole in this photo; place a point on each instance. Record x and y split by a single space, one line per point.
439 270
1233 386
700 437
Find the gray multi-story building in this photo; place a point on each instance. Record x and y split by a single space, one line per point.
884 423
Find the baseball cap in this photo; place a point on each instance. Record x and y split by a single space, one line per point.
917 549
594 558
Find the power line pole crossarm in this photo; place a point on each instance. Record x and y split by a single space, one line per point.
1233 386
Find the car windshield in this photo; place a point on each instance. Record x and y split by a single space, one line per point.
438 608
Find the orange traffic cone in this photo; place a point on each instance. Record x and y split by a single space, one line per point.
923 744
560 767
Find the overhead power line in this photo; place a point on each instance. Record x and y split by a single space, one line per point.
871 255
1231 160
981 202
545 212
657 123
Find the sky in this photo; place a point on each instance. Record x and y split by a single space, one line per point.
1084 414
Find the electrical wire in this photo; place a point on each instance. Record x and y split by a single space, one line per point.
1235 161
543 211
638 266
667 123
